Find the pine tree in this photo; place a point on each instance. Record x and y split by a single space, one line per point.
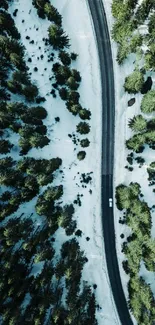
57 37
83 128
138 123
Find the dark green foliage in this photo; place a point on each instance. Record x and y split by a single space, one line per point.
57 37
65 57
30 92
5 146
45 202
72 84
63 92
52 14
7 25
83 128
74 56
73 108
84 143
39 5
4 4
81 155
85 114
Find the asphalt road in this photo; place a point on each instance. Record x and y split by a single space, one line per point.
108 118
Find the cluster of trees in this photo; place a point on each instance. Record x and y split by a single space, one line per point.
27 122
139 247
26 296
145 129
129 15
59 275
23 178
67 80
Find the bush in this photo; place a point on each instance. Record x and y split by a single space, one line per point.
84 143
81 155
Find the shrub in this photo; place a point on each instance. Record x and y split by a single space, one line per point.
84 143
81 155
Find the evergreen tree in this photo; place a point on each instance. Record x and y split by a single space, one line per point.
148 102
138 123
83 128
134 82
57 37
5 146
52 14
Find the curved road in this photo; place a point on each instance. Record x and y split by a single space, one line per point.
108 117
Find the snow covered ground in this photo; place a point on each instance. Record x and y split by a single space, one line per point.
122 133
77 24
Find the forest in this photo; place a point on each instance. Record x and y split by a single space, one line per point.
130 17
57 294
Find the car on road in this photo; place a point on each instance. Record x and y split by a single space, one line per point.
110 202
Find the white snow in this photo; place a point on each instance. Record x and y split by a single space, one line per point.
77 23
122 133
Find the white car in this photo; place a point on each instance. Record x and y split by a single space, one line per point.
110 202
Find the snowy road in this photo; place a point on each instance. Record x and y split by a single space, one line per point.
108 115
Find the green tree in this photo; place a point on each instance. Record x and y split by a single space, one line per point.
83 128
81 155
84 143
5 146
136 143
57 37
30 92
72 84
38 141
148 102
138 123
52 14
65 57
84 114
134 82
